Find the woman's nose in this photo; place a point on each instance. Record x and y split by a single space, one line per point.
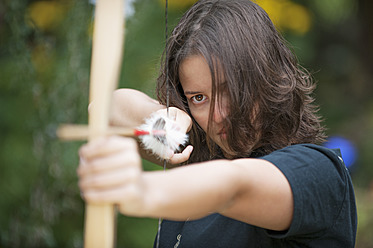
220 113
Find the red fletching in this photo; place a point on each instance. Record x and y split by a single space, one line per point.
137 132
140 132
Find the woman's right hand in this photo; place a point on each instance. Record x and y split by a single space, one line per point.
126 114
182 119
183 123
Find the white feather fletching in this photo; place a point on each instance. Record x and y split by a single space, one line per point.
165 145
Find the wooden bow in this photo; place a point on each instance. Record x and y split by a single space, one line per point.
106 61
107 50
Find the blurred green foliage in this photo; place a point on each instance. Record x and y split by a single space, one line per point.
44 76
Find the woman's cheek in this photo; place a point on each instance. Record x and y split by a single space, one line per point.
201 118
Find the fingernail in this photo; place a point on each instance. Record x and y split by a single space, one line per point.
191 148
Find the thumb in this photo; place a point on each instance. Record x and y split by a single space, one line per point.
179 158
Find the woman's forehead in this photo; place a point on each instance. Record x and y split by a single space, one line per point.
196 71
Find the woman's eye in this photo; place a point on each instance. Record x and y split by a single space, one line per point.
198 98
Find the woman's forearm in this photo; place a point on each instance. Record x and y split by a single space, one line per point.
250 190
191 192
130 108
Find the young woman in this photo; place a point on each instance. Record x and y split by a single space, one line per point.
255 176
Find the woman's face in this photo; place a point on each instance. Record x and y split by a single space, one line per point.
195 78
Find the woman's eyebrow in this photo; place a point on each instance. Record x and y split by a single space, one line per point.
191 92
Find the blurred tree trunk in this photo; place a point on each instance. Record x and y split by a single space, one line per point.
366 20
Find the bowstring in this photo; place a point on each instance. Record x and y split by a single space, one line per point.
167 103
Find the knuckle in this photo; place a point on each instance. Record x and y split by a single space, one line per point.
89 183
89 196
94 166
82 151
79 171
81 186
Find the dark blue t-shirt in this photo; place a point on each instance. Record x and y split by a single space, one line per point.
324 209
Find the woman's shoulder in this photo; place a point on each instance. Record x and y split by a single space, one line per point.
322 189
306 155
311 163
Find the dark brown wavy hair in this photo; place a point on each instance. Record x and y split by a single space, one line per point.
270 95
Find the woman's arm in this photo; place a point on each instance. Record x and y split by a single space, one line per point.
250 190
131 107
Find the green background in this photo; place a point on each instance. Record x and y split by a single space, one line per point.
45 49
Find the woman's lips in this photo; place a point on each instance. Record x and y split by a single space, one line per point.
222 133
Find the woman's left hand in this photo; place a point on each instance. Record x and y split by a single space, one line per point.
110 172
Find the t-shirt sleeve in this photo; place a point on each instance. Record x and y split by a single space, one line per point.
317 177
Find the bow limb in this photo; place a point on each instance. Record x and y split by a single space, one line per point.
107 52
